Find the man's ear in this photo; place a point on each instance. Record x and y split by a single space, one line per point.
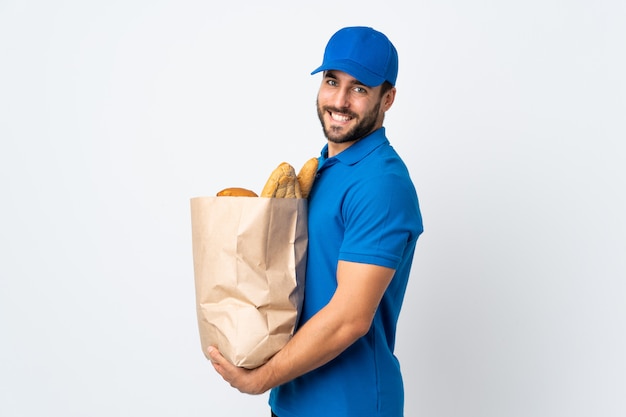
388 98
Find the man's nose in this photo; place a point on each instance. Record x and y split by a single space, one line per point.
342 98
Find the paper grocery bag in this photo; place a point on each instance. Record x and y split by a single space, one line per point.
249 256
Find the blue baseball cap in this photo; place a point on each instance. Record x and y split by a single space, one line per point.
364 53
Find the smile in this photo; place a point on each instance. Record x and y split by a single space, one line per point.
339 117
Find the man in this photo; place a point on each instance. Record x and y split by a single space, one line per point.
364 222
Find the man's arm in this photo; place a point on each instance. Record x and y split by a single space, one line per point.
323 337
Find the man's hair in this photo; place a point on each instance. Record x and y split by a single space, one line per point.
384 87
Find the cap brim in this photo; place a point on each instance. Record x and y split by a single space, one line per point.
365 76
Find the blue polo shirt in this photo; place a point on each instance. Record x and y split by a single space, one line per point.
363 208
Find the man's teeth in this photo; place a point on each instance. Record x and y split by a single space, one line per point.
339 118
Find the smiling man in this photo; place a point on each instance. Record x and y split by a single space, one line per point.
364 222
349 110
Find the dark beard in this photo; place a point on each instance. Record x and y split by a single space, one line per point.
364 127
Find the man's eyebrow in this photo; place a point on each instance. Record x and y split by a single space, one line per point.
331 74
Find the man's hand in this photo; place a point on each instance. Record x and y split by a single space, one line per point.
248 381
323 337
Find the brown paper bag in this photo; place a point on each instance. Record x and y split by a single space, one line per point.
249 256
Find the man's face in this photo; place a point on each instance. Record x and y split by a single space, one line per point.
347 109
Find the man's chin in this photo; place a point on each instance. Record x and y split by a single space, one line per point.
335 136
338 139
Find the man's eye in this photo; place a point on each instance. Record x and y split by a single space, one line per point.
332 82
360 89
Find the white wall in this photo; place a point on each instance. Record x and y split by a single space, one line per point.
113 114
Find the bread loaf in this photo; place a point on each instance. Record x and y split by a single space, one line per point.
306 176
282 183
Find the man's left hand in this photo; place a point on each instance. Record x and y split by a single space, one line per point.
245 380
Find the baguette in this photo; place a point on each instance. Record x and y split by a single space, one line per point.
306 176
282 183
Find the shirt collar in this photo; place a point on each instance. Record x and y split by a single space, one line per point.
360 149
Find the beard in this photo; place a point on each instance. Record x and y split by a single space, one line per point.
363 127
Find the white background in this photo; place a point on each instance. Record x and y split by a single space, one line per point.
510 116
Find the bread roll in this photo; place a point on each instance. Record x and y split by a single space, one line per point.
236 192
